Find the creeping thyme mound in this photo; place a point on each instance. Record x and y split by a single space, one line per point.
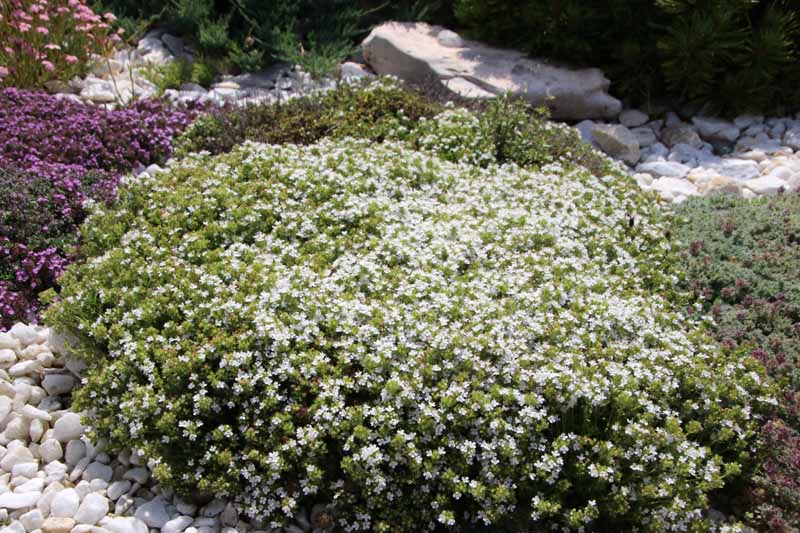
421 344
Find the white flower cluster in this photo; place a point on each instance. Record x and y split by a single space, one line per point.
418 342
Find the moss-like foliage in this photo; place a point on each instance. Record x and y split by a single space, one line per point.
743 260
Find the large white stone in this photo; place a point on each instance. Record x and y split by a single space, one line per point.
51 450
673 188
177 525
7 341
93 507
25 333
412 51
65 503
126 524
16 456
68 427
738 169
14 500
664 169
32 520
7 357
766 185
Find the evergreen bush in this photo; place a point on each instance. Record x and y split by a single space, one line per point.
737 54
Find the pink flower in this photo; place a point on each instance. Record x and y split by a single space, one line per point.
42 30
3 72
52 46
44 16
71 59
24 26
48 66
110 17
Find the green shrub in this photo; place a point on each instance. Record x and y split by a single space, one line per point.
420 344
742 258
500 131
374 110
506 130
175 73
738 54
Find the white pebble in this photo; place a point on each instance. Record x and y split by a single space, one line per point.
177 525
32 520
65 503
126 524
14 500
153 513
51 450
27 469
68 427
92 509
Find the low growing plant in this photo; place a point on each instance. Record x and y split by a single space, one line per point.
54 156
417 343
742 261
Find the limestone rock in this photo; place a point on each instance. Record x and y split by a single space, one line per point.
617 141
413 51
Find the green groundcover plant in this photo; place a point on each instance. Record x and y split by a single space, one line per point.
419 344
742 259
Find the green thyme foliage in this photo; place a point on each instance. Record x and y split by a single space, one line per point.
742 260
421 344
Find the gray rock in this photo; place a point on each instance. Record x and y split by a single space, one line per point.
617 141
633 118
413 52
645 136
153 513
97 470
173 44
792 139
680 134
714 129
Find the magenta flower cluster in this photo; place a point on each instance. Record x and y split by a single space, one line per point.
54 155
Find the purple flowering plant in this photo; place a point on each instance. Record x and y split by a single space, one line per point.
54 155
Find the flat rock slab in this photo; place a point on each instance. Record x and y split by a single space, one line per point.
420 53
